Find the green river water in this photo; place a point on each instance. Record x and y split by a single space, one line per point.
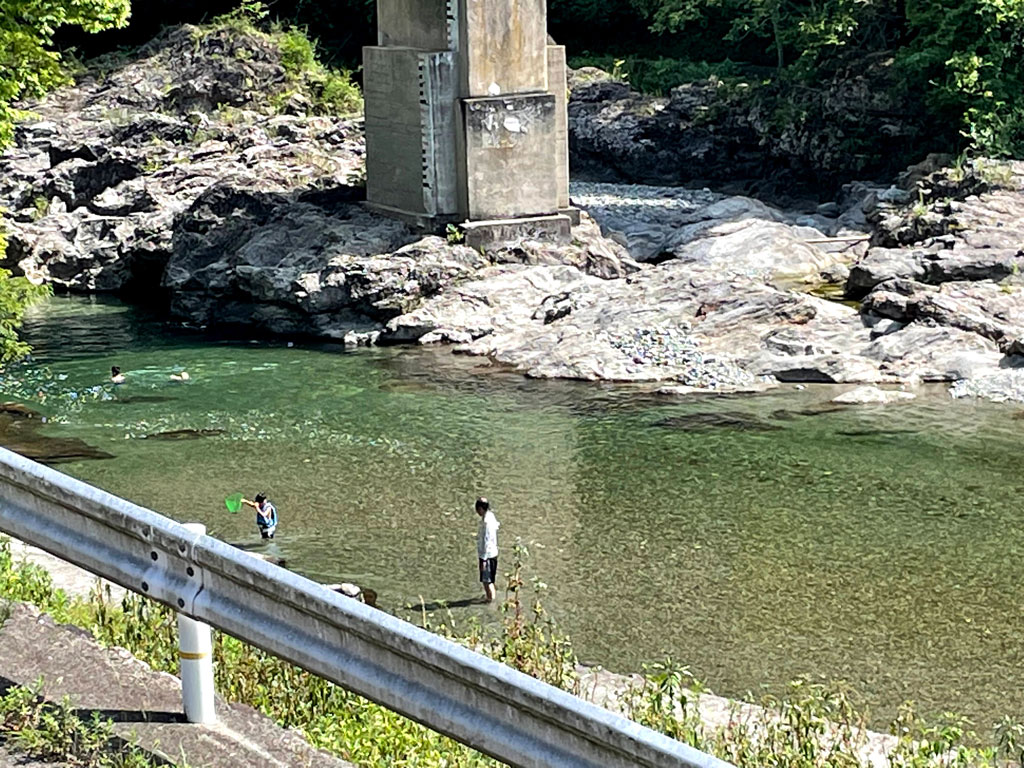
880 546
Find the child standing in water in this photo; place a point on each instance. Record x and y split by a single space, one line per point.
266 515
487 547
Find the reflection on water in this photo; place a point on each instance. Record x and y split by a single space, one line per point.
756 539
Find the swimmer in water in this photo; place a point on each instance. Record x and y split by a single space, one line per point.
183 376
116 377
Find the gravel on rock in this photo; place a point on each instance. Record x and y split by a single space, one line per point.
676 348
638 203
1001 387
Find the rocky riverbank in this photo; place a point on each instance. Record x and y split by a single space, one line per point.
786 138
173 177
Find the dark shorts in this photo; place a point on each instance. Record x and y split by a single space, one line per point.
488 570
267 533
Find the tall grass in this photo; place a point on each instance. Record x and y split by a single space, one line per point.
814 726
325 89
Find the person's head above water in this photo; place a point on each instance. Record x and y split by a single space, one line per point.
482 505
260 498
114 370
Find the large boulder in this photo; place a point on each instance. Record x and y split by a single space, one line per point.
93 185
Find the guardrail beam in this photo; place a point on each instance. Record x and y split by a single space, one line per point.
475 700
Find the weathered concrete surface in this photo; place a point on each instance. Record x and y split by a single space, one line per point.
510 156
395 133
419 24
485 235
145 704
465 112
503 46
558 72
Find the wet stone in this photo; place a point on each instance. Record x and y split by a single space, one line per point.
703 422
19 432
184 434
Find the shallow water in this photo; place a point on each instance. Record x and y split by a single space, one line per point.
759 542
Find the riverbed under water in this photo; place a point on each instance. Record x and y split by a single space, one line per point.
757 539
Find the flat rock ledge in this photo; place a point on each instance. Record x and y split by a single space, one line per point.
868 395
232 214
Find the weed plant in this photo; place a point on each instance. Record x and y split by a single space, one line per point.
326 91
56 731
813 726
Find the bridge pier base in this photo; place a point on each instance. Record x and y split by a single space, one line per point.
466 114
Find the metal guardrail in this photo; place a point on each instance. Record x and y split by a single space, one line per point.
436 682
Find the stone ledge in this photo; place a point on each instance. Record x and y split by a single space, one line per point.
556 228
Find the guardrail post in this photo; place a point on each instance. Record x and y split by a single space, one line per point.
195 653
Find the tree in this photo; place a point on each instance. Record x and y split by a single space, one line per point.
16 294
971 55
29 66
795 30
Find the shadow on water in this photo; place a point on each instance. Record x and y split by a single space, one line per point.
441 605
20 432
733 420
184 434
135 399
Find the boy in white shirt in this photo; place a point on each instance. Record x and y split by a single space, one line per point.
487 547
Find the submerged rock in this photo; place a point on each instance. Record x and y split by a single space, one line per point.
20 432
184 434
18 411
703 422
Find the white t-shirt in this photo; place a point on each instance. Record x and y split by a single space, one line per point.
487 536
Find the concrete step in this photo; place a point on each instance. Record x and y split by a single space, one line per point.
145 705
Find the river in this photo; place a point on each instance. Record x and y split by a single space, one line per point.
756 539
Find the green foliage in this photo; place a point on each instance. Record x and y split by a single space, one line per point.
55 731
965 58
298 52
332 92
40 207
529 640
29 66
970 55
454 234
16 294
813 726
327 91
661 75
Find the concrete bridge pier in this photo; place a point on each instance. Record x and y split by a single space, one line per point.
466 118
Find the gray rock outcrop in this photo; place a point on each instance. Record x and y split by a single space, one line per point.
160 179
766 138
